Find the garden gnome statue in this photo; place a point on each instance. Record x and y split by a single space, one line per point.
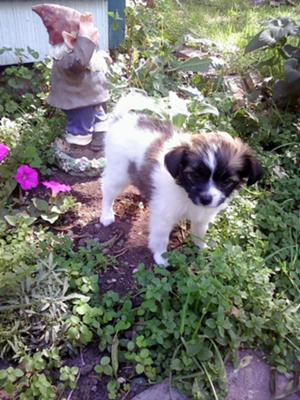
78 86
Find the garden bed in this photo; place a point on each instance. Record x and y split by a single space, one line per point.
84 313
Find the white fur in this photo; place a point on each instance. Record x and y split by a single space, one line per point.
126 143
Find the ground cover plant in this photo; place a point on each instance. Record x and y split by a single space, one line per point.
183 323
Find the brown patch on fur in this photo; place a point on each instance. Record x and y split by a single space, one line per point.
238 155
141 178
234 149
155 125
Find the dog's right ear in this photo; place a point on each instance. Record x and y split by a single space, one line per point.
175 159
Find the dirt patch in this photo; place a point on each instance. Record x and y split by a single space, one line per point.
126 239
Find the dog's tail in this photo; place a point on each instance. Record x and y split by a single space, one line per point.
136 100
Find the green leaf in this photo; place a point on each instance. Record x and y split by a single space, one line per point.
18 372
40 204
83 309
33 53
85 334
19 219
122 325
144 353
289 88
99 369
4 49
105 361
194 64
56 210
130 346
266 38
114 354
292 73
12 220
11 106
199 348
280 91
178 120
150 305
107 370
289 51
205 108
139 369
50 217
3 374
176 364
277 30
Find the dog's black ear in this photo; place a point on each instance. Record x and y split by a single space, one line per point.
252 169
174 160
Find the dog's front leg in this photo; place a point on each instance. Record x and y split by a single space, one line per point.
111 188
199 230
159 232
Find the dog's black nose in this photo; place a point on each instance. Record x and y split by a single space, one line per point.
206 199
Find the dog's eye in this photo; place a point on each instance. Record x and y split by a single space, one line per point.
196 176
227 179
224 178
231 181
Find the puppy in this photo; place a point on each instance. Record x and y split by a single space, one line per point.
182 176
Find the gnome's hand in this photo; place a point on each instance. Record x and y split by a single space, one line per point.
87 28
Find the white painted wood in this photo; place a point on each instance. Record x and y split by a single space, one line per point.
21 27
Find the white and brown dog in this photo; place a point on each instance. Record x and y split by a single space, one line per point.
182 176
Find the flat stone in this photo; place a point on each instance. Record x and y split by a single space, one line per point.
160 392
252 380
236 86
217 61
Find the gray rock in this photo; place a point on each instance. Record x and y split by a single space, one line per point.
252 380
138 385
160 392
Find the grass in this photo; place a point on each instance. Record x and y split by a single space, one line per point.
229 23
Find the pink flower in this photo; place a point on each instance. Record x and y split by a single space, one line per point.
27 177
56 187
4 150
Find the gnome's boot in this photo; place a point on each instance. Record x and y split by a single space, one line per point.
101 126
97 143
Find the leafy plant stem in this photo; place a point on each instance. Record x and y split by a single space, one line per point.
170 374
200 320
209 379
285 145
292 344
183 314
279 251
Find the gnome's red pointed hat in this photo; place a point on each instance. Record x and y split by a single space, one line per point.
57 19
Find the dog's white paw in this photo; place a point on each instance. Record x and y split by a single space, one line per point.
160 261
106 220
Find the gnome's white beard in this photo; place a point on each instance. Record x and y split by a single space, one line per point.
59 50
97 62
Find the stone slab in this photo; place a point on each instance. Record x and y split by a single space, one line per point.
252 380
160 392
